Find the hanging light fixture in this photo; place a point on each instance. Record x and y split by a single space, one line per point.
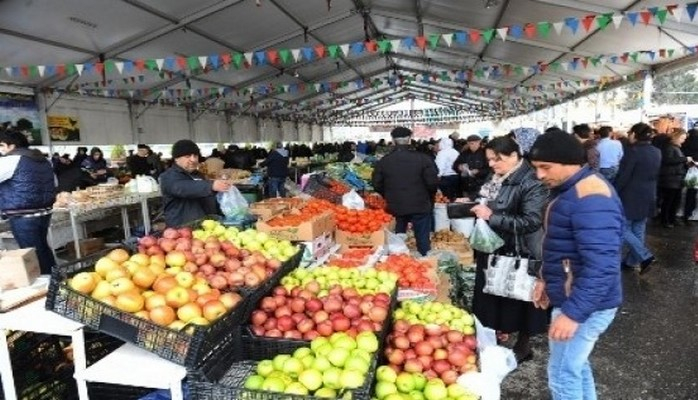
491 3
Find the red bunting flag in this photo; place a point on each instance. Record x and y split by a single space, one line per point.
320 51
542 66
421 42
646 16
530 30
181 62
662 53
60 69
624 57
588 21
273 56
226 58
140 64
371 46
99 67
585 61
474 35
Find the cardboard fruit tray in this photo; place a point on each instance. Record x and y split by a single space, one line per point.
187 347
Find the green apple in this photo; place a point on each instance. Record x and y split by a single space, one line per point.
383 389
338 357
346 342
416 395
273 384
293 367
265 367
324 350
395 396
358 364
311 379
296 388
455 390
367 341
361 353
337 336
405 382
302 352
419 381
351 379
254 382
321 363
386 374
330 378
317 342
308 361
435 389
325 393
279 361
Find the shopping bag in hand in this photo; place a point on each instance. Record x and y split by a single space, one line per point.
484 239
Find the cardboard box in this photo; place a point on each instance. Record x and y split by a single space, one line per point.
306 231
87 246
267 211
18 268
378 238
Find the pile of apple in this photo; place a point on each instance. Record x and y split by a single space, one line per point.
435 350
438 313
303 314
366 281
391 385
144 286
222 263
325 369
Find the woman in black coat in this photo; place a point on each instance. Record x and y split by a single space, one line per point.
690 149
671 176
636 184
515 204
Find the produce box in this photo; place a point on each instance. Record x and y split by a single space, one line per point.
18 268
306 231
188 346
373 239
87 246
320 246
267 211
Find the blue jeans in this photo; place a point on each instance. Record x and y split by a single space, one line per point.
634 237
421 224
275 187
33 232
569 371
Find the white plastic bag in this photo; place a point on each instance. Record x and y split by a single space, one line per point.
484 239
233 203
353 201
463 225
691 178
396 243
441 217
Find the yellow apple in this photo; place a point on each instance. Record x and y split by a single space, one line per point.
177 325
173 270
140 259
143 277
130 302
110 300
154 301
157 268
148 293
163 315
118 255
83 282
104 265
131 266
177 297
143 314
185 279
102 290
158 259
189 311
214 309
201 288
121 285
116 273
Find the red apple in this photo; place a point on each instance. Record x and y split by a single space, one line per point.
396 357
364 326
305 325
270 324
423 348
324 328
426 361
352 311
310 335
279 291
313 305
413 366
258 330
457 358
147 241
320 316
470 341
449 377
259 317
294 334
268 304
454 336
297 305
297 317
332 305
440 354
341 324
401 342
170 233
275 333
440 366
415 333
285 323
401 326
282 311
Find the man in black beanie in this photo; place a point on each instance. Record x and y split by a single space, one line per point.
581 261
186 194
408 180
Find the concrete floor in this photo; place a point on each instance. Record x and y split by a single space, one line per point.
651 349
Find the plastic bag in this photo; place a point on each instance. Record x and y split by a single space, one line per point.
396 243
484 239
463 225
353 201
691 178
233 204
441 218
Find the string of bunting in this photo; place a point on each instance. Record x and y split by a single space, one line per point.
237 60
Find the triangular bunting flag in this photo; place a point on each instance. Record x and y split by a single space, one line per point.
99 68
384 46
448 38
213 59
460 37
645 16
421 42
670 53
573 24
130 93
516 31
237 60
565 66
661 16
691 10
357 48
8 71
624 57
296 54
604 20
261 57
248 57
530 30
676 11
159 62
651 54
434 40
474 35
41 69
488 34
588 21
345 49
202 61
371 46
632 17
662 53
320 51
543 29
617 19
395 44
79 68
558 27
634 55
273 56
333 50
502 33
318 86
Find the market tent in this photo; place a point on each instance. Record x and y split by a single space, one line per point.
328 60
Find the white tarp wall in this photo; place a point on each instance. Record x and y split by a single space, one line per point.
101 121
305 133
211 128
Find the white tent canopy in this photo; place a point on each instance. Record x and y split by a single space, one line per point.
327 60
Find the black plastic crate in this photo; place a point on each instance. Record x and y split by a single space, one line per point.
177 346
318 186
107 391
99 345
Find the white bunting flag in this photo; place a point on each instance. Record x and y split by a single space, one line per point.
159 62
395 44
286 87
317 87
130 93
41 69
79 68
105 93
8 70
345 49
296 54
221 91
565 65
448 38
202 61
678 13
502 33
119 66
617 19
248 58
558 27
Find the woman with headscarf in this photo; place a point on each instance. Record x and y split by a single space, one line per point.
524 137
96 165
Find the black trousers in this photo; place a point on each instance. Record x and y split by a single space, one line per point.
689 204
671 199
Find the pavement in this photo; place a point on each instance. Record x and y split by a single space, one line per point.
651 349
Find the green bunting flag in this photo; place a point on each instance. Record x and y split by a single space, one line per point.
604 19
333 50
384 46
434 40
488 35
634 56
285 55
237 60
661 16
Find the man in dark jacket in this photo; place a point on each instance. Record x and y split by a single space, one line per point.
27 193
408 180
186 194
636 184
690 149
472 167
277 171
581 258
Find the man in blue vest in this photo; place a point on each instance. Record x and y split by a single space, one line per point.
27 193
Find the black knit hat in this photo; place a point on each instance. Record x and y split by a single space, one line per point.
558 147
184 147
473 138
401 132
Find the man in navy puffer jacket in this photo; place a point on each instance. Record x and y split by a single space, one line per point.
27 192
581 261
